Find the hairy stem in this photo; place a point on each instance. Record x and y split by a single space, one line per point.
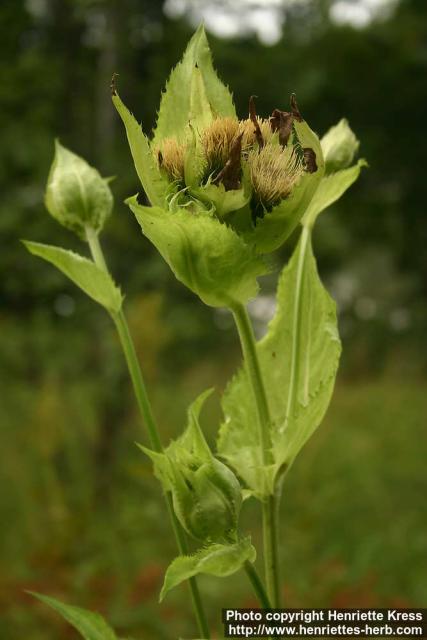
257 584
269 508
150 423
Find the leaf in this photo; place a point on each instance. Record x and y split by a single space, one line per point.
339 146
330 190
299 358
90 625
154 183
76 194
97 284
219 560
274 228
204 254
178 105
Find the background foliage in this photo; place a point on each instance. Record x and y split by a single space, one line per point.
81 518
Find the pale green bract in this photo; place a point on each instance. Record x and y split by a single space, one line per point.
299 358
76 194
330 189
219 560
89 624
204 254
274 228
95 282
339 146
155 185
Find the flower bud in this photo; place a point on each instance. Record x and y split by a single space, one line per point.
76 195
339 146
206 494
207 501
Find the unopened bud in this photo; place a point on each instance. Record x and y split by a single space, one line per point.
207 501
339 146
76 194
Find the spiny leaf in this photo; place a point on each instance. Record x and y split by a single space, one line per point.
178 105
95 282
191 444
299 359
216 559
155 185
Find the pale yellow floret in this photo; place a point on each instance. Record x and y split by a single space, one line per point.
170 156
217 140
247 127
274 172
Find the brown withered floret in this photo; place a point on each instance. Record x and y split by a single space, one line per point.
282 121
253 117
249 133
230 175
310 160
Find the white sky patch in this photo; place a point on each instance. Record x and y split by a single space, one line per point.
265 18
360 13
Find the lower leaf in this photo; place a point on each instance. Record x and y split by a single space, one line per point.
89 624
97 284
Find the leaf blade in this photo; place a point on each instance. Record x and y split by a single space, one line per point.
155 185
97 284
299 358
219 560
330 189
89 624
177 106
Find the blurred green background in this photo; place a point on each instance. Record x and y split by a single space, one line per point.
81 516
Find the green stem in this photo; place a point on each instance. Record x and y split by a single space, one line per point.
148 418
269 509
257 584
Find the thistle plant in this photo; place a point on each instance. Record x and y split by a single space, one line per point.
219 195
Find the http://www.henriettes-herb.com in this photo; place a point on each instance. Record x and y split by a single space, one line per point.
221 194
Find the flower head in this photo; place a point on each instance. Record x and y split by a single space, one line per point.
223 191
